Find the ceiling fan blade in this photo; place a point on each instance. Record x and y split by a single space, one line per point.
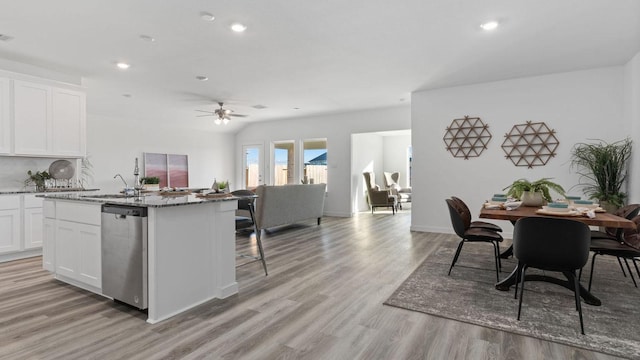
205 111
204 115
238 115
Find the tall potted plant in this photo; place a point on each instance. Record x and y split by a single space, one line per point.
533 193
602 168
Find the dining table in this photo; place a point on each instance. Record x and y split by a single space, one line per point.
602 219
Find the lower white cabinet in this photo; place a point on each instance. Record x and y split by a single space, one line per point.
10 232
32 217
72 242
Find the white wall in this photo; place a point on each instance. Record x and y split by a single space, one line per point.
113 144
632 116
579 105
396 157
367 155
337 129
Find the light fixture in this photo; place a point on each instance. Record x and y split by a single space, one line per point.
147 38
489 25
205 16
237 27
225 121
123 65
217 121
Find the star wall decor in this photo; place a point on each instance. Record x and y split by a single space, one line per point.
530 144
467 137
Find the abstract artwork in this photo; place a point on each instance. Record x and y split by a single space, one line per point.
173 170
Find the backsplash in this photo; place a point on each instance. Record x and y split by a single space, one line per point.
13 170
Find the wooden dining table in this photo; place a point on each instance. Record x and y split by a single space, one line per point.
601 219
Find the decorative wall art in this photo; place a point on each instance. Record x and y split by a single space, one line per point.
531 144
173 170
467 137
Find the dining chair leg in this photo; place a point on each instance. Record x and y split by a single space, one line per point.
636 265
576 286
518 277
593 262
496 258
455 257
524 270
630 273
621 267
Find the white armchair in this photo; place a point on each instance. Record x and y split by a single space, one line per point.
391 180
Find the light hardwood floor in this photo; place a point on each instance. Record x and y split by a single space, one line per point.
322 300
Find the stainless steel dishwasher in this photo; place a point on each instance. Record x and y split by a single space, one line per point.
124 254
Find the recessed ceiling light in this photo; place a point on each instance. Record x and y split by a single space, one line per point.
147 38
237 27
296 108
202 78
206 16
122 65
489 25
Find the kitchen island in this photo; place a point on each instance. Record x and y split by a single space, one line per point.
190 251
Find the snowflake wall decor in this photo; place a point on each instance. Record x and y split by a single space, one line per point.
467 137
531 144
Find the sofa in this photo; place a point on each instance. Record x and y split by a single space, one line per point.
288 204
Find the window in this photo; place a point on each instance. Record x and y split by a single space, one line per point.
284 163
315 161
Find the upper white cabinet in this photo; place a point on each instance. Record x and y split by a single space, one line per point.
69 122
48 120
32 118
5 120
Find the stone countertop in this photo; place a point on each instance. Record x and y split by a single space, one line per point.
155 201
48 191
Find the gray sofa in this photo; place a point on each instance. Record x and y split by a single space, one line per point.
288 204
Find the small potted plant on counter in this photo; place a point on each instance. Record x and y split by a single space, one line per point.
151 183
38 179
533 193
223 186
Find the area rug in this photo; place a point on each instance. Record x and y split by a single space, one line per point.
548 310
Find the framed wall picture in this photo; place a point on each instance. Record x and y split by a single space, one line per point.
173 170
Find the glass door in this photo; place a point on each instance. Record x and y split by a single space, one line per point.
253 166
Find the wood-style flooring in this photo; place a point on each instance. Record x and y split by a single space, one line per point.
322 300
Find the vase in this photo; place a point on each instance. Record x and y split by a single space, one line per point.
532 198
608 207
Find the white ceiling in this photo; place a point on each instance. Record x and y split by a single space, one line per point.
321 56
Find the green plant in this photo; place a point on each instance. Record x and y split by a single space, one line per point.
38 178
151 180
542 186
223 185
602 168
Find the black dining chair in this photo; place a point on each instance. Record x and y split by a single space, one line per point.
551 244
476 223
626 247
462 227
245 219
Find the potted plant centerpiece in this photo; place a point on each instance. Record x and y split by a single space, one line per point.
151 182
533 193
38 179
223 186
602 168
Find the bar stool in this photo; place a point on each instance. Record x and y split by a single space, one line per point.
246 206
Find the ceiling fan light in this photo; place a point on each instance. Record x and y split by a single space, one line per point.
217 121
225 121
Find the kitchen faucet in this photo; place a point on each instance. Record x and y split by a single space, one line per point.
125 183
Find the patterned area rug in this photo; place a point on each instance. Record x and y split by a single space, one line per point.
548 310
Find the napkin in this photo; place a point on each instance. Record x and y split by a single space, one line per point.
511 205
590 214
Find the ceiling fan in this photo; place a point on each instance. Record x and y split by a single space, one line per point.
222 115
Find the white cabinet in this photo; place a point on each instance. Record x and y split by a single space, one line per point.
73 248
32 118
5 120
9 224
69 122
32 218
49 244
48 120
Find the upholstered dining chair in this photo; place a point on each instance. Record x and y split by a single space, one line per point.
599 238
474 224
626 247
379 197
551 244
392 181
246 219
462 227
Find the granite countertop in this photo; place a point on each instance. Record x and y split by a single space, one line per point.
48 191
155 201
